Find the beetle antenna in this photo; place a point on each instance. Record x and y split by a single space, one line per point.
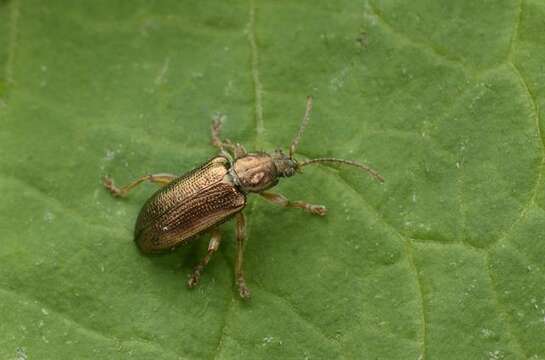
304 124
364 167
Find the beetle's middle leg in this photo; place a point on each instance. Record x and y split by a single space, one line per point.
162 179
237 149
281 200
241 238
213 246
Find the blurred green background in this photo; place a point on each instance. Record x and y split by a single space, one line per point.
445 260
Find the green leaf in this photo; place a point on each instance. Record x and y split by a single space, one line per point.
446 99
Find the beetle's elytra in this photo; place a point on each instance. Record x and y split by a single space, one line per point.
203 198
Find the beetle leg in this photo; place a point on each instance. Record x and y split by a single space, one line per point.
216 131
241 238
281 200
237 149
240 151
213 246
162 179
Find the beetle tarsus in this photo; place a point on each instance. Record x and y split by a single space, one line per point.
194 279
216 130
108 183
241 238
317 209
216 134
237 149
213 246
243 289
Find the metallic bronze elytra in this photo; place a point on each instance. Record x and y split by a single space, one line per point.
205 197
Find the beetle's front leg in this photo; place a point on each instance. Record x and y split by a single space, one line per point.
213 246
241 238
281 200
162 179
237 149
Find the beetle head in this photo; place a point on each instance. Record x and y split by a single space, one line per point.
285 165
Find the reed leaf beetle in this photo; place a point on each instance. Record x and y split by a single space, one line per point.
200 200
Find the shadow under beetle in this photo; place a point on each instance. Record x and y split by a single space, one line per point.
203 198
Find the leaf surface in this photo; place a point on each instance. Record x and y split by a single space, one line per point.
442 261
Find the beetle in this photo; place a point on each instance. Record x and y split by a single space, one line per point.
200 200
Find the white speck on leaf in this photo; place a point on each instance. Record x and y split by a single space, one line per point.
337 82
120 212
21 354
160 79
110 155
495 355
228 90
487 333
49 216
269 339
44 311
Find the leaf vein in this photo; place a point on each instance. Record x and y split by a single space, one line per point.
219 347
258 87
500 308
514 35
304 320
12 40
373 12
423 329
403 239
532 100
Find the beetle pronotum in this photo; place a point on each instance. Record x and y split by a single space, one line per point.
211 194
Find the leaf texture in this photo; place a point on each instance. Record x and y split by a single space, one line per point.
443 261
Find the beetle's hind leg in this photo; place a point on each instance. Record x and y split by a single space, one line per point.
237 149
281 200
241 238
213 246
162 179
